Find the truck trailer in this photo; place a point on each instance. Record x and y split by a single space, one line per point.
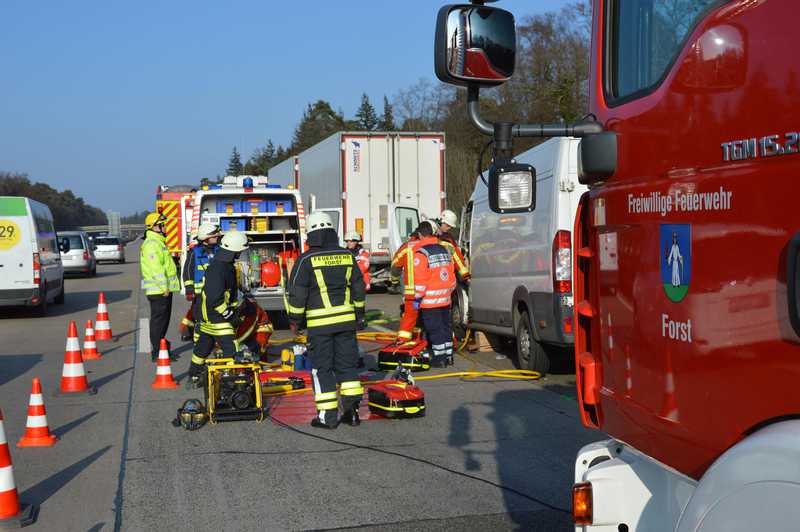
687 254
376 183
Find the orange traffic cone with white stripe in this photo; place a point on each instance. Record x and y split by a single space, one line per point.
73 376
163 369
12 512
37 433
103 328
89 343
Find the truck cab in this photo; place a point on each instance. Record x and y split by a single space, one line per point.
687 255
272 217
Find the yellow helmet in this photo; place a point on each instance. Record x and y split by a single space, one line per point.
153 219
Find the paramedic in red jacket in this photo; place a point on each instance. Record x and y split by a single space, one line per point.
434 282
353 242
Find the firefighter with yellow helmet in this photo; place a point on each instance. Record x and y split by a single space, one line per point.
326 295
160 279
215 313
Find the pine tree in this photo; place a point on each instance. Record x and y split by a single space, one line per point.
366 117
235 166
319 122
386 122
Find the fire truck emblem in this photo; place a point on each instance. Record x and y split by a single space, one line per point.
676 260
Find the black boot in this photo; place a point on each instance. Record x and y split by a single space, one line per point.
317 424
154 356
186 335
350 416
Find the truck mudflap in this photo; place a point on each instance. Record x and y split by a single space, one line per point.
631 489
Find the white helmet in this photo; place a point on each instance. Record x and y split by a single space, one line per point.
234 241
318 220
449 218
353 235
207 230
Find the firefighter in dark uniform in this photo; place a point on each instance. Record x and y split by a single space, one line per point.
215 313
194 271
326 296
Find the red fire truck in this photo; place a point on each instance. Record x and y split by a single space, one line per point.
175 203
687 254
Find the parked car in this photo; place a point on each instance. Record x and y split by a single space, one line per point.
521 264
31 271
109 248
79 257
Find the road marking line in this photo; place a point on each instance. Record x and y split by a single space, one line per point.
144 335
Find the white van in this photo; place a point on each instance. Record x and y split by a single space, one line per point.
521 264
31 272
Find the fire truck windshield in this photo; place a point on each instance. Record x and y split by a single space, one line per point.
645 37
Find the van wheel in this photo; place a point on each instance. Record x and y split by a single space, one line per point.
59 300
530 353
456 319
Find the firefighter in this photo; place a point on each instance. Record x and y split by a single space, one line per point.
326 296
194 271
402 263
160 278
434 282
353 242
449 221
215 313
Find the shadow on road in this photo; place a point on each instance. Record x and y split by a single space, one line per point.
102 381
530 470
63 429
107 273
78 301
97 528
45 489
16 365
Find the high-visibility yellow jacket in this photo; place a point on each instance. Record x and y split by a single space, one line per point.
159 272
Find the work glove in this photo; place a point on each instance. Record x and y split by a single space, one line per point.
361 323
416 304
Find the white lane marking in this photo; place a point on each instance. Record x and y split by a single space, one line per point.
144 335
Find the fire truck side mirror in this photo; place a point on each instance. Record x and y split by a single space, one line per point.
475 45
597 157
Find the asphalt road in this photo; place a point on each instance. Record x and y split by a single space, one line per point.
489 455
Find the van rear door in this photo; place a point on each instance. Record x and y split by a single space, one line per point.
16 249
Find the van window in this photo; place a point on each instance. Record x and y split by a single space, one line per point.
646 37
75 241
106 241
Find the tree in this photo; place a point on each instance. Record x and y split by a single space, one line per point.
386 122
235 166
366 117
319 122
69 211
262 160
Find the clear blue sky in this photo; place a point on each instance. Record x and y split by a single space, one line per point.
112 97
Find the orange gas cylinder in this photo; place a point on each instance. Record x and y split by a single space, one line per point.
270 274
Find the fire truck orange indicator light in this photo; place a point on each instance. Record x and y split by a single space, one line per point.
582 504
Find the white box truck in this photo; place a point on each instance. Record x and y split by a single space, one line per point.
377 183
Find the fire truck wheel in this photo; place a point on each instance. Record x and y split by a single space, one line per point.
530 353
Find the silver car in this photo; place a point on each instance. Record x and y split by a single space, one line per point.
109 248
80 257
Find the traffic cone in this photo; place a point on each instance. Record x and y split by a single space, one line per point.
12 512
37 433
73 377
89 343
163 369
103 330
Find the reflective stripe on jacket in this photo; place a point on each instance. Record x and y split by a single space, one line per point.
434 274
219 294
402 263
326 291
159 273
460 263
